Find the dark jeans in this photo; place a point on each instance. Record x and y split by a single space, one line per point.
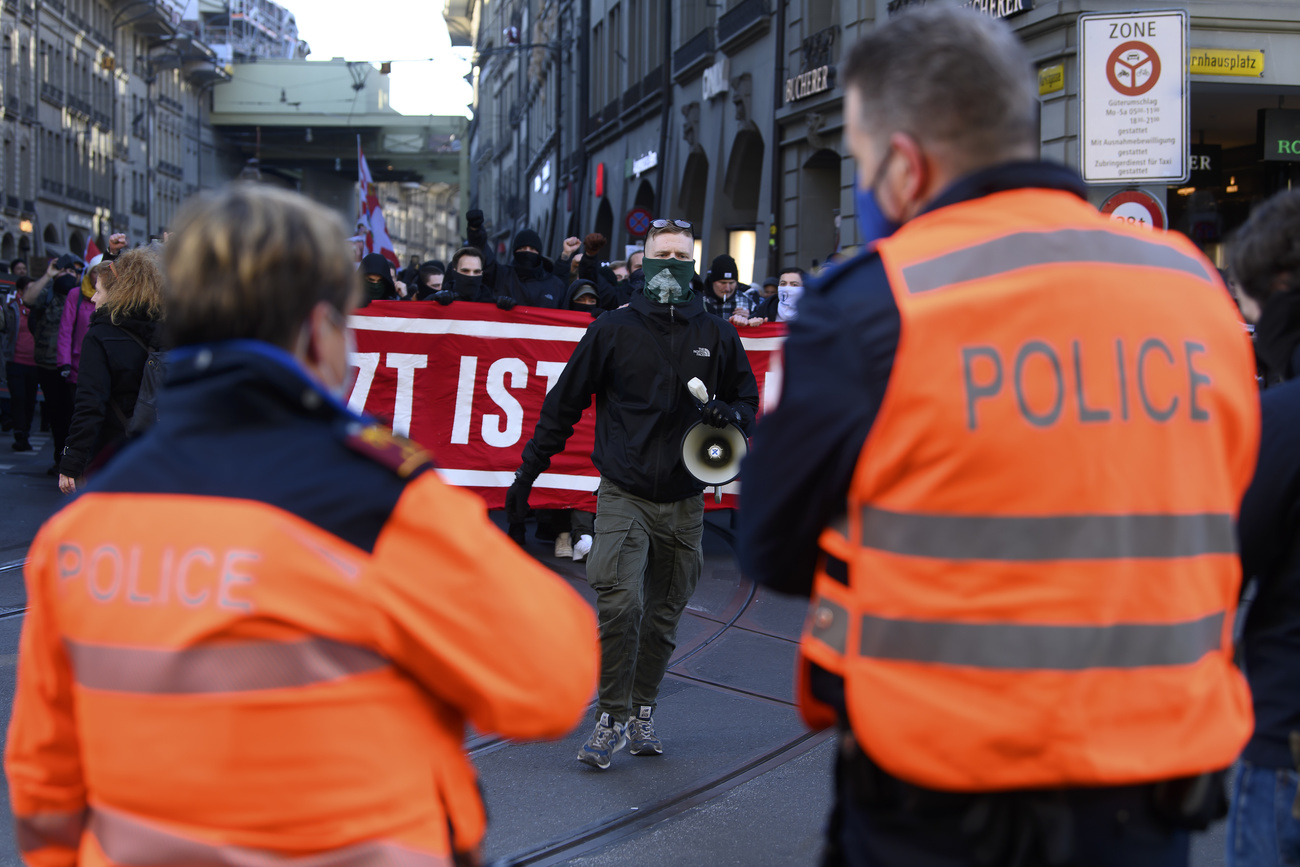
1261 830
58 406
645 561
22 397
880 822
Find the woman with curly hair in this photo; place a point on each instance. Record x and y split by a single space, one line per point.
125 327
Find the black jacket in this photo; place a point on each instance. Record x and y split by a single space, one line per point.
642 407
112 365
611 293
540 288
1269 527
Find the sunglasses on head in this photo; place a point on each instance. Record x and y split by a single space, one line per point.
664 224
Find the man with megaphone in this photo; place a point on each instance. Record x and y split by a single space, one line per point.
646 555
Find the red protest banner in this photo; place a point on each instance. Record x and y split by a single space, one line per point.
467 382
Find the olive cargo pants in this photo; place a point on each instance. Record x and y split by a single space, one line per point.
645 560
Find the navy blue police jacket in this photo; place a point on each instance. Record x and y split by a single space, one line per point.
838 357
1269 528
240 419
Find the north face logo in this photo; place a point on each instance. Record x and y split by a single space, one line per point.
702 352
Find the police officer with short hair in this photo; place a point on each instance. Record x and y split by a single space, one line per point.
1012 439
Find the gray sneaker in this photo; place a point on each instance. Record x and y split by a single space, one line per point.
608 738
641 732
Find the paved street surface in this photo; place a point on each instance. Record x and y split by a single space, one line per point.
742 782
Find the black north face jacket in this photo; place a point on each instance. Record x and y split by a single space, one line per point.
642 406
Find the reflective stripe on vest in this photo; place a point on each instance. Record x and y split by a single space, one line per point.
38 830
1041 647
1057 537
127 840
1029 249
218 668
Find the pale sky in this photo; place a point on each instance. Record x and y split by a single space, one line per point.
396 30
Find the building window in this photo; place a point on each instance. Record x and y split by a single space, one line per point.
599 83
692 17
741 245
615 62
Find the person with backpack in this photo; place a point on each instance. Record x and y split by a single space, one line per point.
122 347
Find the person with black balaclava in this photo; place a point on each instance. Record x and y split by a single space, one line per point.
377 279
529 279
646 555
429 281
464 281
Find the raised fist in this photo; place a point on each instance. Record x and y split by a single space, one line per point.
474 218
594 243
571 246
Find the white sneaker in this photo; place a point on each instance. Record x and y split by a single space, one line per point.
563 547
581 548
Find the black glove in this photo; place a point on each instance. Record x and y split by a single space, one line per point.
718 413
444 296
474 218
505 302
517 504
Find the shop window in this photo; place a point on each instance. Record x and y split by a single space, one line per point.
741 246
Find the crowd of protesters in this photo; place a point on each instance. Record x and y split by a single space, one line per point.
576 279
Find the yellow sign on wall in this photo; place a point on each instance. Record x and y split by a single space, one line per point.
1051 79
1246 62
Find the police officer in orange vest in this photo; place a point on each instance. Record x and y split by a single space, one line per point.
1011 444
258 637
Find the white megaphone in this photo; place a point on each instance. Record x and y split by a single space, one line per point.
711 454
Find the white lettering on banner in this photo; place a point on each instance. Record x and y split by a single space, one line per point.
551 370
464 400
772 384
366 363
405 365
493 434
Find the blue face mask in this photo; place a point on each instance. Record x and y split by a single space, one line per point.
873 225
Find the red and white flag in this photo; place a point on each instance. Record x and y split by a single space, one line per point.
92 257
371 221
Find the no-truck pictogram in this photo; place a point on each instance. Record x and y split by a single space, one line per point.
1133 68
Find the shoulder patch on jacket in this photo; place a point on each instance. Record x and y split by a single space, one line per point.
401 455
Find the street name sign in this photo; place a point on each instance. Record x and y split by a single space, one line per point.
1133 96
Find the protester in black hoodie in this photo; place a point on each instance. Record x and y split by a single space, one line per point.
377 279
529 279
124 328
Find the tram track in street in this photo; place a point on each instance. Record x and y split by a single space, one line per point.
609 830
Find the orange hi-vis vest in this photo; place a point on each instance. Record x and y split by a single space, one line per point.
1035 582
205 680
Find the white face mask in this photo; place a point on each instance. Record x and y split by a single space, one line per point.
787 301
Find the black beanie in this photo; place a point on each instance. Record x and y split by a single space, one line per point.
527 238
723 268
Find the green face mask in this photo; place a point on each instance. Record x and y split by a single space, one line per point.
668 281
